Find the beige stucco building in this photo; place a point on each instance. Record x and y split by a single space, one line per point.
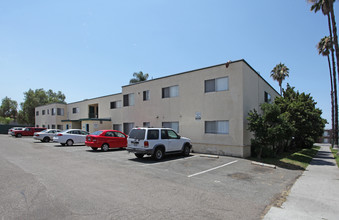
208 105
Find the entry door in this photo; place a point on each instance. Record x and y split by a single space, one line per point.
87 127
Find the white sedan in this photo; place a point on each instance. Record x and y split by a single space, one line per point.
70 137
45 135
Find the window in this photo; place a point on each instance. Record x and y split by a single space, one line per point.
118 134
76 110
60 127
116 104
170 92
37 113
60 111
145 95
216 127
117 127
128 127
47 111
173 125
153 134
43 112
216 85
129 99
53 126
268 98
146 124
169 134
109 134
53 111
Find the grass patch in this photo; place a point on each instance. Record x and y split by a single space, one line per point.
335 154
297 160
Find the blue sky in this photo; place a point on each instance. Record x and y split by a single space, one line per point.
88 49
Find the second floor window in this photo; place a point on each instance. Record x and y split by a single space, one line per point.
43 112
60 111
75 110
145 95
216 85
268 98
169 92
116 104
129 99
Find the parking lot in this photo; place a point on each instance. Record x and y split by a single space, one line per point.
50 181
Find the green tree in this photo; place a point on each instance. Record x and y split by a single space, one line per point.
326 6
272 130
279 73
303 116
8 108
36 98
139 77
325 47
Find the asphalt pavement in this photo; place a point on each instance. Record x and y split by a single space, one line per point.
315 195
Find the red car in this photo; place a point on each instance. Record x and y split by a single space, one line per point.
27 131
106 139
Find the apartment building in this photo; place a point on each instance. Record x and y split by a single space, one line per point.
208 105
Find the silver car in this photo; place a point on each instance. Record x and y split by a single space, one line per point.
45 135
70 137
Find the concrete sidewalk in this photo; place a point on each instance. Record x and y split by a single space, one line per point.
315 195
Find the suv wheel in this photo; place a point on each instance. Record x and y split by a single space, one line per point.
186 151
19 135
158 153
104 147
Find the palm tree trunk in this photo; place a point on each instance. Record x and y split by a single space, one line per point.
332 104
335 37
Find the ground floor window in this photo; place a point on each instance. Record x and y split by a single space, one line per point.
146 124
60 127
53 126
117 127
173 125
216 127
128 127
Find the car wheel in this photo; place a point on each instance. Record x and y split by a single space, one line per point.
94 148
158 154
104 147
46 139
139 155
186 151
69 142
19 135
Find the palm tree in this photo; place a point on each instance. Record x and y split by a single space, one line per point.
138 77
326 6
279 73
324 47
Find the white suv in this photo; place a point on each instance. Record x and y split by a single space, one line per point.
157 142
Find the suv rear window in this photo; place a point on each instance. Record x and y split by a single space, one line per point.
138 134
153 135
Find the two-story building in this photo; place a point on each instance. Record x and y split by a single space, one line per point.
208 105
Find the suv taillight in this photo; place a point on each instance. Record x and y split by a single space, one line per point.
146 144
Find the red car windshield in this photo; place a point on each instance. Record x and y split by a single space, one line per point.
97 133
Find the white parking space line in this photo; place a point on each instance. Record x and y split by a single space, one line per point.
186 158
213 168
